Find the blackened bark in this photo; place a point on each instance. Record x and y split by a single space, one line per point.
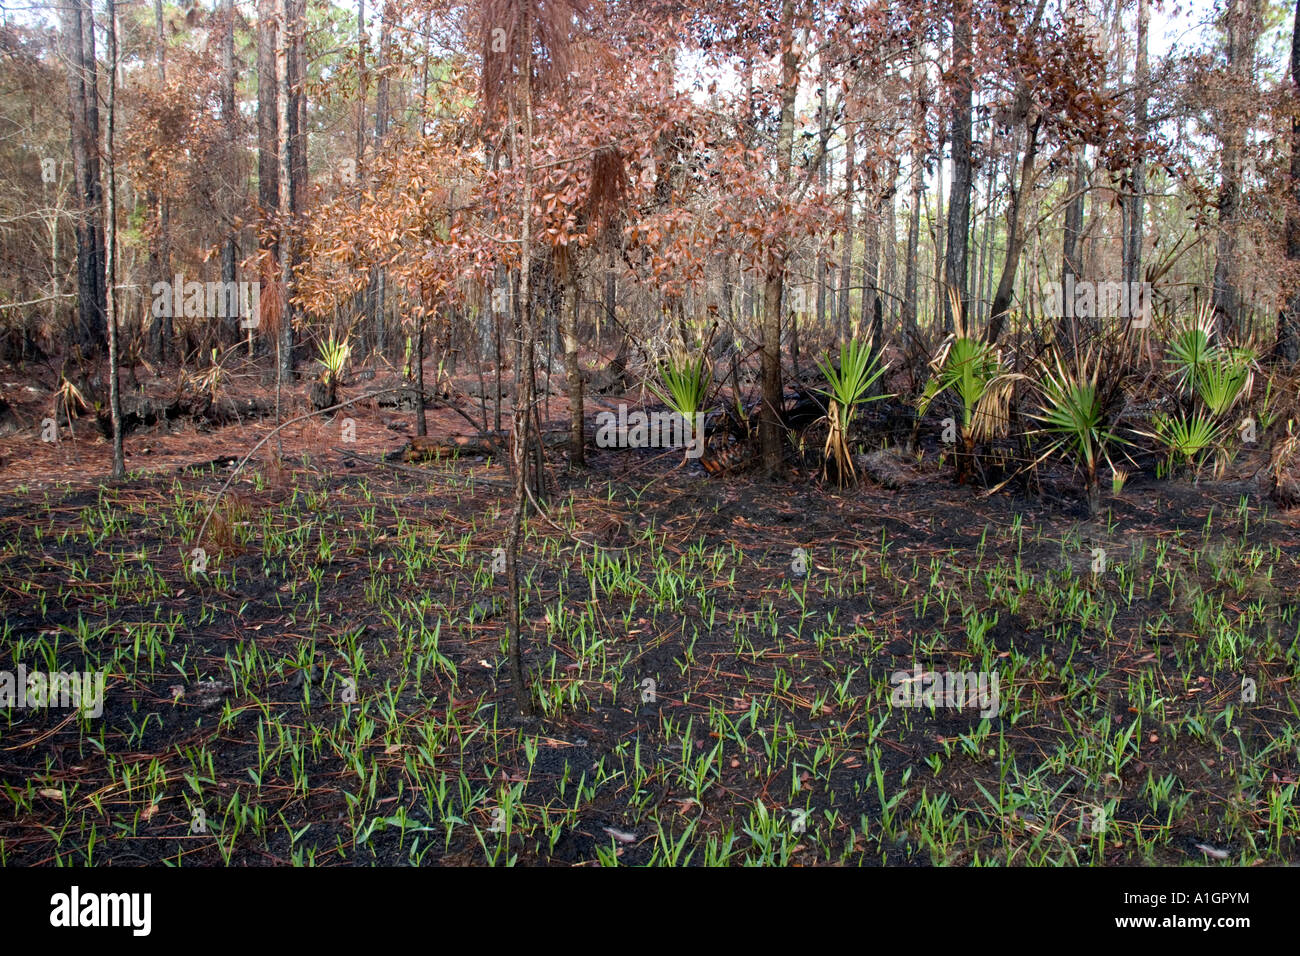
83 112
956 261
1015 241
1288 323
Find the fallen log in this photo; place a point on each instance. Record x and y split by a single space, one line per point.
427 447
489 444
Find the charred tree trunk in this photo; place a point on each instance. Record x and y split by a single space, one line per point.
824 124
917 194
846 254
1137 188
1242 27
1288 322
573 374
83 113
230 124
160 266
286 127
421 419
378 279
956 261
110 265
1071 251
1015 239
770 432
268 151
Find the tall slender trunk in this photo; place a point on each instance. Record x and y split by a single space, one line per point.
956 261
421 419
824 124
771 438
160 332
573 374
939 229
984 272
378 278
521 159
284 59
268 154
846 254
110 266
910 265
298 92
1015 238
1242 26
1288 323
871 320
1071 263
83 111
1137 189
230 161
889 240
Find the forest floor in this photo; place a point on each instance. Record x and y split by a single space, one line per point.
332 688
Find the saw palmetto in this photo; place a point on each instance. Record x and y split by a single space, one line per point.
849 385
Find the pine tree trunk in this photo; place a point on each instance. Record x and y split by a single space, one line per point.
1071 264
520 433
268 151
160 331
421 420
285 128
956 261
1287 348
1242 26
229 120
770 435
1015 239
83 110
573 375
110 266
846 254
1137 198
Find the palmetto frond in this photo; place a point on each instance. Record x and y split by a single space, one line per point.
849 384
